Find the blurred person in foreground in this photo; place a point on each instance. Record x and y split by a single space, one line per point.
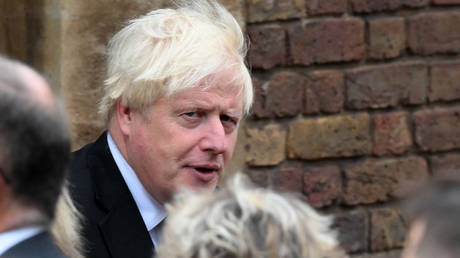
34 156
242 221
434 213
176 91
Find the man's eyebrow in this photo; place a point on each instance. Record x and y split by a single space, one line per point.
186 104
234 113
193 105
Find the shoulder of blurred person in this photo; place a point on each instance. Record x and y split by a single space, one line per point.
241 220
41 245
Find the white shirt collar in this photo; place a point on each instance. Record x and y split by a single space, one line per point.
152 212
10 238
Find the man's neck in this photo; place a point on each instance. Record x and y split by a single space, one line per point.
14 216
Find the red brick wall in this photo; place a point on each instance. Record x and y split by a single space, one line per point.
357 102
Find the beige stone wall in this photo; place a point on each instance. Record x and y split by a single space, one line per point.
13 28
30 32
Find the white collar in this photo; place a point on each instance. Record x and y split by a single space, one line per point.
10 238
152 212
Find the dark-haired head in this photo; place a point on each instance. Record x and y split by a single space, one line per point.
34 139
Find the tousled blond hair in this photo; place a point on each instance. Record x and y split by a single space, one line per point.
169 50
241 220
66 228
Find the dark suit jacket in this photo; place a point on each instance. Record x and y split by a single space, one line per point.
113 226
39 246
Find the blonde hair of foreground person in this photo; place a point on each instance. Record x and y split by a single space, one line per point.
241 220
66 227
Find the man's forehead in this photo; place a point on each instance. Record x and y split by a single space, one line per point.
206 97
205 91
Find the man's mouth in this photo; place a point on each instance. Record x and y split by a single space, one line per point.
204 169
205 172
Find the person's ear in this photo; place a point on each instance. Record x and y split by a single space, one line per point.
124 117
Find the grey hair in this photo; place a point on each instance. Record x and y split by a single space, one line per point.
241 220
169 50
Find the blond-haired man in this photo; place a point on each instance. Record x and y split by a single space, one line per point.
176 91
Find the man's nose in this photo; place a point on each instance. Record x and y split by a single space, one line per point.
214 137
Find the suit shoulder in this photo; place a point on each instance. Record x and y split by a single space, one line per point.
41 245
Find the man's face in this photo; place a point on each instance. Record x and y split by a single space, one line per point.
187 140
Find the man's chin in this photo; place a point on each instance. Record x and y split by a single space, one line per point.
202 187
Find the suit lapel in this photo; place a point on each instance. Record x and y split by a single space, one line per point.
123 237
123 229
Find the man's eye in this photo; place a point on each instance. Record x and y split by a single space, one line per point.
190 114
226 118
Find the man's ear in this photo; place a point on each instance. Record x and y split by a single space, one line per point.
124 117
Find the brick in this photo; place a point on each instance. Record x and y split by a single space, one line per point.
268 46
319 7
367 6
353 230
445 81
387 38
258 107
446 165
265 146
437 129
380 180
288 180
387 85
322 185
389 254
434 33
270 10
387 229
326 41
391 134
328 137
281 96
324 92
415 3
258 177
285 94
445 2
